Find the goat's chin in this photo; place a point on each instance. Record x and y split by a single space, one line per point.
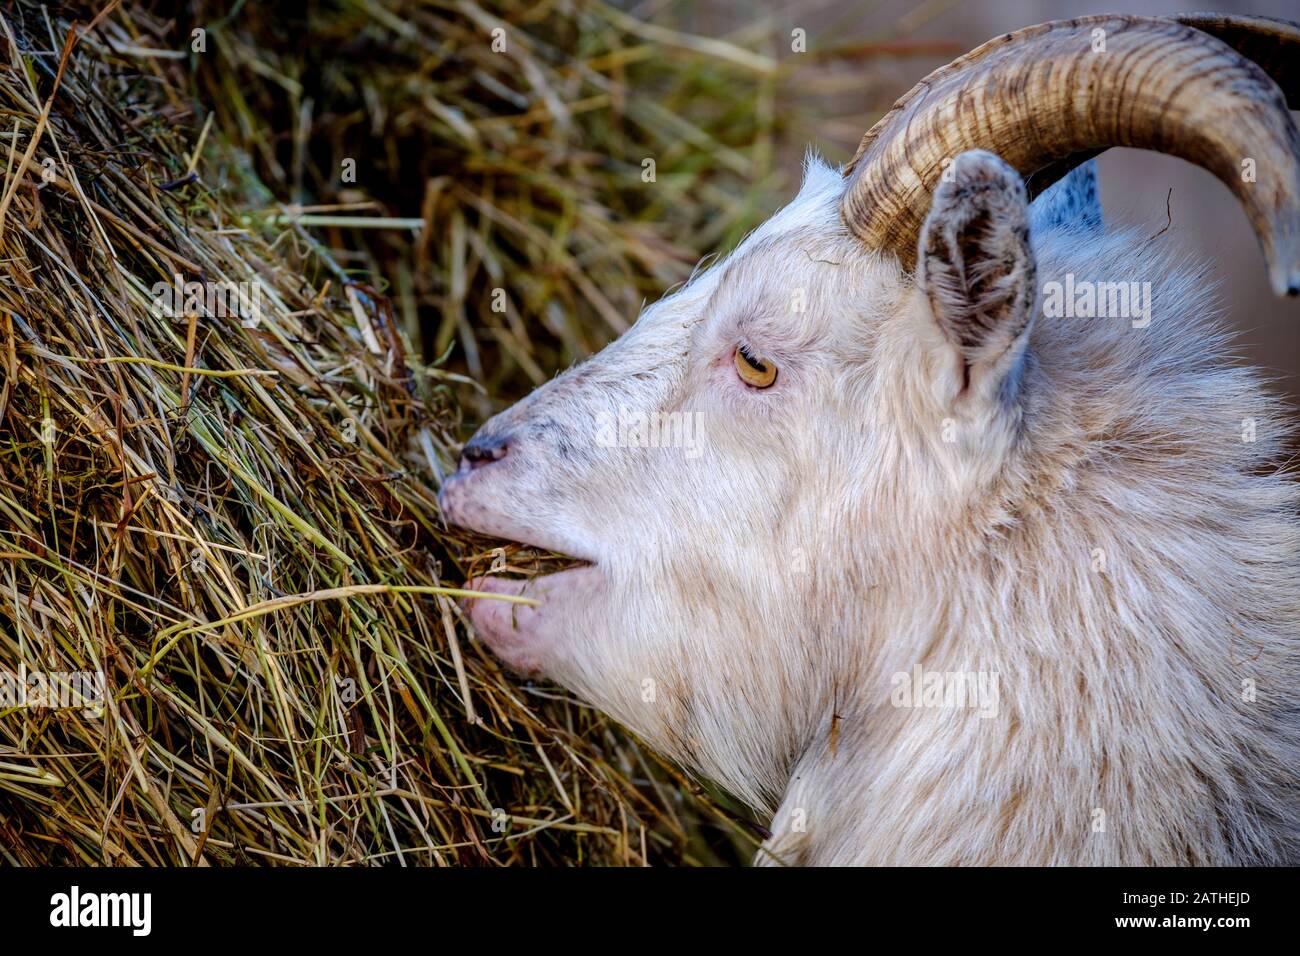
527 637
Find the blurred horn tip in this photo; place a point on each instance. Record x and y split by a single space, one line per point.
1285 280
1283 256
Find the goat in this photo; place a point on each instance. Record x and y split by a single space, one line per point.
952 571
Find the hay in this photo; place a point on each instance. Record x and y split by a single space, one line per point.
231 517
524 162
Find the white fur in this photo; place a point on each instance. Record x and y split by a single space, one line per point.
748 608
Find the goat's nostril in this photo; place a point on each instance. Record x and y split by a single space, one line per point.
484 449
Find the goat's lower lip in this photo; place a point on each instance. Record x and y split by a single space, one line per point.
523 635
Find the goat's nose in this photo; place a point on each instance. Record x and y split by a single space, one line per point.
483 450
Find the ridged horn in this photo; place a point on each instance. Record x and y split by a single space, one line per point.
1274 45
1047 97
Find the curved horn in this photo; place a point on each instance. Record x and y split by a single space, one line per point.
1043 100
1273 44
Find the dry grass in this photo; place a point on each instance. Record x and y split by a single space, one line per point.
524 165
232 517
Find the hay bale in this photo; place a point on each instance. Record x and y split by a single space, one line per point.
224 506
520 135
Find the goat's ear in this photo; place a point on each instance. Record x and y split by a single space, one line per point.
976 268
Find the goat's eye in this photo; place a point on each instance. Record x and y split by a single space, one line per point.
753 369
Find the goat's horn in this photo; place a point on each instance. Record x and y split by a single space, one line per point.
1041 96
1273 44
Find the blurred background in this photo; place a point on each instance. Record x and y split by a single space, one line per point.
520 153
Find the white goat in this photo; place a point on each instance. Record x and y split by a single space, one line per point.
934 574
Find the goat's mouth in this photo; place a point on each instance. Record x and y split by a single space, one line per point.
501 540
535 586
519 559
523 561
525 636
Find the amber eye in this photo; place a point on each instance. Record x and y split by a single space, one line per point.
754 370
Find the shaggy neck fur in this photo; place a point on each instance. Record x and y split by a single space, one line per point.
1124 559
